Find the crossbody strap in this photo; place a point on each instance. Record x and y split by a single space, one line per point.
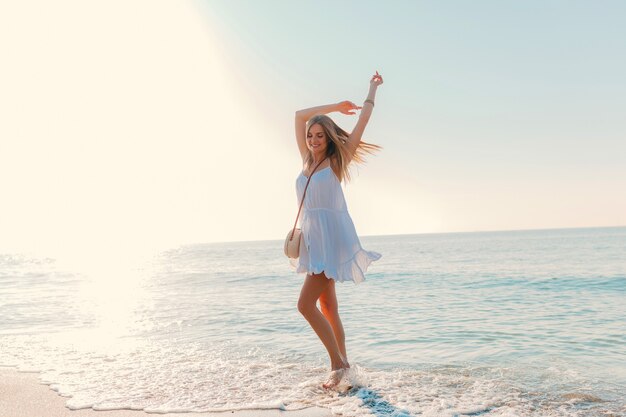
303 195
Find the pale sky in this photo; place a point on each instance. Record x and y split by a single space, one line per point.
141 124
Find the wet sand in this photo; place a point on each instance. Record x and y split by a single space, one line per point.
23 395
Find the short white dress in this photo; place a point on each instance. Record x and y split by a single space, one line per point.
330 242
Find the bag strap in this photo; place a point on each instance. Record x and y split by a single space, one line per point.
303 195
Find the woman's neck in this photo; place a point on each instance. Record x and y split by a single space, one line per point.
317 159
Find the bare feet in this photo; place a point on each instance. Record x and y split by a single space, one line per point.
336 375
335 378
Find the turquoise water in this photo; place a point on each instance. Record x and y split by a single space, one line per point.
524 323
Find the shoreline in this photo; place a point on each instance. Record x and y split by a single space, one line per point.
23 395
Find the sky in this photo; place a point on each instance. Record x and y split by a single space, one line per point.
139 124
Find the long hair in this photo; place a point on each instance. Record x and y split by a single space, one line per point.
337 147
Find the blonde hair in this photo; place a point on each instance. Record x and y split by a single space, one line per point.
337 148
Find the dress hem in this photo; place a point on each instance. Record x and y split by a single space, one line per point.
362 264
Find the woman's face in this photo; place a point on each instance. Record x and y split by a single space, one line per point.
316 140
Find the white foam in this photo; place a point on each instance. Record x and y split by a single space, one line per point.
165 378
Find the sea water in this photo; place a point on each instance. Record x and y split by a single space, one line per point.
520 323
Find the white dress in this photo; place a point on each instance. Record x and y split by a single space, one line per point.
330 242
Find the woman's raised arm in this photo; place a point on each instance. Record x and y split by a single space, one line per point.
364 117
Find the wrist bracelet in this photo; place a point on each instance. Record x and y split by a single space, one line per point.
369 101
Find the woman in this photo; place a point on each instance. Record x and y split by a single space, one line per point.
330 250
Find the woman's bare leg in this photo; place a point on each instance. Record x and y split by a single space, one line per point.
330 310
314 286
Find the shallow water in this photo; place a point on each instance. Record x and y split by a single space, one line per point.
527 323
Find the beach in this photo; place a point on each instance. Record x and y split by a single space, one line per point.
23 395
524 323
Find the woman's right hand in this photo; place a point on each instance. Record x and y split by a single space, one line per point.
376 80
347 107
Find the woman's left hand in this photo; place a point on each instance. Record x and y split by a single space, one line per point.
376 80
347 107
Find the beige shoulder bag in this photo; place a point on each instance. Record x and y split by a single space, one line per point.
292 241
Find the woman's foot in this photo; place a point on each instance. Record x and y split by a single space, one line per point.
336 375
335 378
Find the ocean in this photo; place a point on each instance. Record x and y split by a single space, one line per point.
512 323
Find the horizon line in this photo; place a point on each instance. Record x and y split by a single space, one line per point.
425 233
